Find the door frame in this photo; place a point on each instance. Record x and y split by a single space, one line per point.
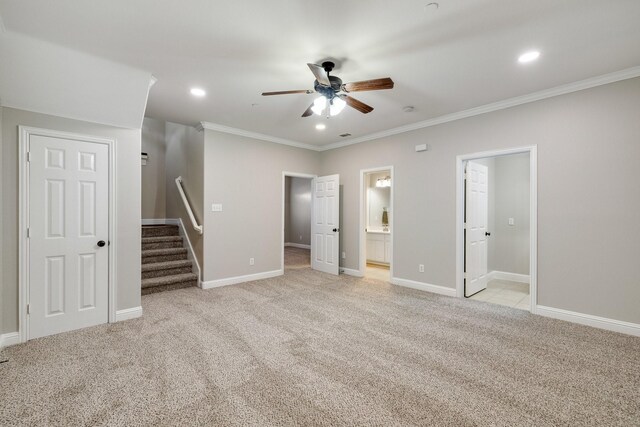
25 133
362 264
532 150
286 174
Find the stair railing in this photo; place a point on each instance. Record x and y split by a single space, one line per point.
187 206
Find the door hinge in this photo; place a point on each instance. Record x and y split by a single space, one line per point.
28 309
28 232
28 156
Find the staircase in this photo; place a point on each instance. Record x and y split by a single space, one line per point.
164 260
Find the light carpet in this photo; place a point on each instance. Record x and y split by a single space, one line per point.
309 348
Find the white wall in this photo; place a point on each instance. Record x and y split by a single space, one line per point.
245 175
588 197
153 173
128 205
298 210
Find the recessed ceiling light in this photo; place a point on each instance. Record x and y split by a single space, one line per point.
321 126
198 92
529 56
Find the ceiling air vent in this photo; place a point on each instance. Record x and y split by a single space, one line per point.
344 135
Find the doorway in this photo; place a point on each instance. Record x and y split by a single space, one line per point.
297 221
496 227
66 208
376 223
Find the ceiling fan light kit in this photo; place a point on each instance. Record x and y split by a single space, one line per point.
333 93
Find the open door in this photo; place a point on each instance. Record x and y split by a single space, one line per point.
325 224
476 233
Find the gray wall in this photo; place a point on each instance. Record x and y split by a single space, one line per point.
185 157
245 175
511 198
153 173
297 225
128 205
588 197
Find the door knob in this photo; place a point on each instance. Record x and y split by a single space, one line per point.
101 243
335 230
486 233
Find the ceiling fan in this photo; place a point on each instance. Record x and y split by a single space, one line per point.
330 88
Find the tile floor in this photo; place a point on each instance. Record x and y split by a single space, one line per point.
503 292
377 272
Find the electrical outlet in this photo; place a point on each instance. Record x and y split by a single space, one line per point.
421 268
252 261
512 221
301 237
344 255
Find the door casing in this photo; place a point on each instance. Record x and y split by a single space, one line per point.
25 133
532 150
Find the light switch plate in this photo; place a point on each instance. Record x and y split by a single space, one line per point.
216 207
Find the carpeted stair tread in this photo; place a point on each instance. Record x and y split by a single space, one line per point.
156 239
169 280
159 230
166 265
166 251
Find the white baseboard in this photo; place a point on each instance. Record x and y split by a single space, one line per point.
210 284
191 255
436 289
160 221
298 245
512 277
12 338
590 320
128 313
351 272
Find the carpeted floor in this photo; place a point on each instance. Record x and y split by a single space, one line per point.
312 349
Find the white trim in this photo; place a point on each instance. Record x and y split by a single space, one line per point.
351 272
191 255
210 284
590 320
628 73
362 255
160 221
436 289
285 174
532 150
255 135
511 277
297 245
128 313
25 133
12 338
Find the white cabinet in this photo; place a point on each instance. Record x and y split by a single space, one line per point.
379 247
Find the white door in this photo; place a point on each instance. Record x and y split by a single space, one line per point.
68 234
325 224
476 219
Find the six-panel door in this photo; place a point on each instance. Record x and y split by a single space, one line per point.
68 217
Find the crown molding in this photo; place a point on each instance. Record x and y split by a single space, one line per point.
626 74
255 135
589 83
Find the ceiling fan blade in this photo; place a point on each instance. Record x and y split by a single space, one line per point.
375 84
320 73
287 92
308 111
358 105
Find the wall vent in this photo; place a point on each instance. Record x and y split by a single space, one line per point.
344 135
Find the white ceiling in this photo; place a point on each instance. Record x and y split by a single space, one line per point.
459 56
